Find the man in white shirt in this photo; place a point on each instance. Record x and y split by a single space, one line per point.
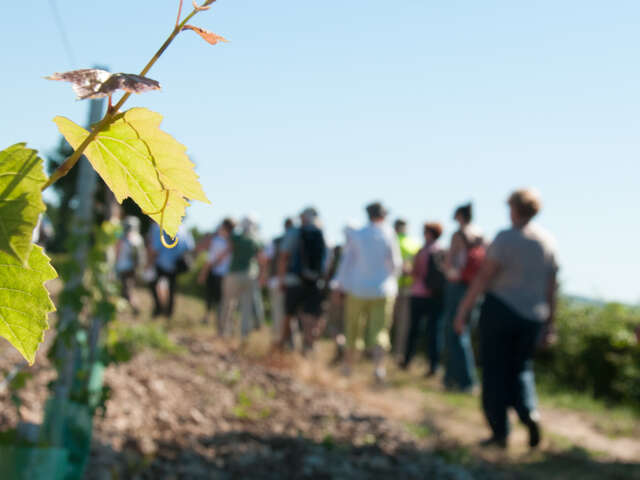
368 275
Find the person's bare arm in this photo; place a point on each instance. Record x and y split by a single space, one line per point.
118 248
415 274
151 256
283 261
487 273
549 336
263 262
202 276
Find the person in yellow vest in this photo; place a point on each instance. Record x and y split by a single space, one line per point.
409 246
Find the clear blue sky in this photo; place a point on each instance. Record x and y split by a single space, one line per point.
423 104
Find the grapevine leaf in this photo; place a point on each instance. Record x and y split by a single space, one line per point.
208 36
138 160
21 178
96 83
24 301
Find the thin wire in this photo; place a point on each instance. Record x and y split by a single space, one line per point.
63 33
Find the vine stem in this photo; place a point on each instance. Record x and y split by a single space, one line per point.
179 13
70 162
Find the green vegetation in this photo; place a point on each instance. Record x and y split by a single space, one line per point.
596 353
418 431
125 341
250 404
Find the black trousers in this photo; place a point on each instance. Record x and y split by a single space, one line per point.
426 321
158 308
507 342
213 291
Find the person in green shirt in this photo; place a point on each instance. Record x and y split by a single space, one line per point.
239 283
409 246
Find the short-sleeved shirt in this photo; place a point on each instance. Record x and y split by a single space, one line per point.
371 263
408 249
168 257
527 259
243 249
131 252
216 247
420 269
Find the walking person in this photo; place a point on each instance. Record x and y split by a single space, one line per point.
408 248
276 294
301 270
519 278
238 284
368 275
167 263
334 301
130 257
427 291
463 261
213 272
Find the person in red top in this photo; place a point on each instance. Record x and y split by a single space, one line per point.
425 304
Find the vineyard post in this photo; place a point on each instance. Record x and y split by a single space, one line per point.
81 221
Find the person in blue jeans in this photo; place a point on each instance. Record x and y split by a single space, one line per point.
462 264
519 278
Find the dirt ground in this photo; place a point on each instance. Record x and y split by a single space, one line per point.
222 410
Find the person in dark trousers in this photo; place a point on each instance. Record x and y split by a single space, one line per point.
426 302
519 278
301 270
276 294
213 272
168 264
464 258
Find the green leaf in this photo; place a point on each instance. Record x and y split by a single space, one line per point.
21 178
136 159
24 301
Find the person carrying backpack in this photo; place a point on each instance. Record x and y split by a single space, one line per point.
464 260
303 252
427 295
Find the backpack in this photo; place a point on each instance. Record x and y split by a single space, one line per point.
312 250
475 258
435 279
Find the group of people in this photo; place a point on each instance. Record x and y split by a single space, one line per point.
382 291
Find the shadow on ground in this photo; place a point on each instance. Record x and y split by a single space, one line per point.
246 455
553 462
